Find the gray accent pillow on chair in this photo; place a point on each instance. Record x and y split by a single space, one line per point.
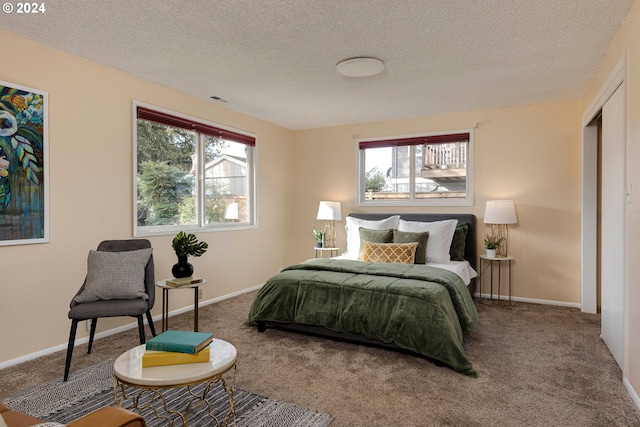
115 275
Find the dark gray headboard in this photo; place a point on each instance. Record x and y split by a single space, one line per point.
470 250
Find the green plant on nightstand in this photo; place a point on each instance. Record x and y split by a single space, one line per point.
492 242
319 237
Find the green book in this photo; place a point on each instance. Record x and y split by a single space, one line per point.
180 341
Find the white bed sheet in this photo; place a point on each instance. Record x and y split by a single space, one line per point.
462 268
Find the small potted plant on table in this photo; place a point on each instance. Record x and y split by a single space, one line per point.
184 245
319 238
492 243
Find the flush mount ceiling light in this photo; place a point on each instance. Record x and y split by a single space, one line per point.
360 67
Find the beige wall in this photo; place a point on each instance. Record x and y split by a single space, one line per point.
529 154
90 108
627 42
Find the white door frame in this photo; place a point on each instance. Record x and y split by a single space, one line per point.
589 185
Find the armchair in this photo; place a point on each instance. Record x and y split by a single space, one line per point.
136 305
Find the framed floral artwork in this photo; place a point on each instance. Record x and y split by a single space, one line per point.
24 168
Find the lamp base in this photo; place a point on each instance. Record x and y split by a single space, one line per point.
501 231
329 234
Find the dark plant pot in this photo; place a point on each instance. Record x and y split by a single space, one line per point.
318 244
182 268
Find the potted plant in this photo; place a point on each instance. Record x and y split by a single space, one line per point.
491 243
319 237
184 245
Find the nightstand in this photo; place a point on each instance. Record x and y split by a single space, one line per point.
489 263
326 252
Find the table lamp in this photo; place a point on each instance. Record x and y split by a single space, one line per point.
500 213
329 212
231 211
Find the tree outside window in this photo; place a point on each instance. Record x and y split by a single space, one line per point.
188 177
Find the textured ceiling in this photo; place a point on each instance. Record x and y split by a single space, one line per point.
275 59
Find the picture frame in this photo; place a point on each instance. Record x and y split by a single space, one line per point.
24 165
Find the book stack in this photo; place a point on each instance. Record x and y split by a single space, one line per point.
176 348
183 281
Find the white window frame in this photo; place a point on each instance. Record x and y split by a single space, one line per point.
156 230
412 201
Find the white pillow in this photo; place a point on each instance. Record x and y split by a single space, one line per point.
440 237
353 231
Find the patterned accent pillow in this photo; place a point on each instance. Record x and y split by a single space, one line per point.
115 275
389 252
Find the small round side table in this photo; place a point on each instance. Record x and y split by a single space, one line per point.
486 262
326 252
165 301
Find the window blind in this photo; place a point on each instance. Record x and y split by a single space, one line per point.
180 122
419 140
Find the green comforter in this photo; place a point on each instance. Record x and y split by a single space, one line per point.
419 308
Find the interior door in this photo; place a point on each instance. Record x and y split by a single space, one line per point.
613 207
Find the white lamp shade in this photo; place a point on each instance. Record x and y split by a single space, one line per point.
500 212
329 211
231 212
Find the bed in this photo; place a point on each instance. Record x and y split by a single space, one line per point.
421 308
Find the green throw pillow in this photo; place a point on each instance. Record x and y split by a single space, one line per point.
458 243
374 236
410 237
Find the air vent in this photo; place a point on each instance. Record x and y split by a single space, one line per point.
217 98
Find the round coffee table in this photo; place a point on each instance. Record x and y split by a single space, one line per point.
150 383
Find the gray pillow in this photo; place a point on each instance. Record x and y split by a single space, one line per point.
374 236
408 237
456 252
115 275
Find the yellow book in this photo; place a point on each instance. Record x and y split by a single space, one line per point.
162 358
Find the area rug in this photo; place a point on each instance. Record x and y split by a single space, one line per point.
92 388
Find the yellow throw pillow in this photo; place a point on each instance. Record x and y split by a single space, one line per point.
389 252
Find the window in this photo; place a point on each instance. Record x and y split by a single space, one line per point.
191 174
428 170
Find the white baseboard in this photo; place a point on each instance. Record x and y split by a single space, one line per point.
632 392
531 300
157 318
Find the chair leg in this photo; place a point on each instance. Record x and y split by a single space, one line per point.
141 329
150 320
72 340
94 323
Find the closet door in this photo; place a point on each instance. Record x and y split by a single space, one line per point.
613 222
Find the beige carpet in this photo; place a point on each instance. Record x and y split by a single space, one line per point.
538 366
